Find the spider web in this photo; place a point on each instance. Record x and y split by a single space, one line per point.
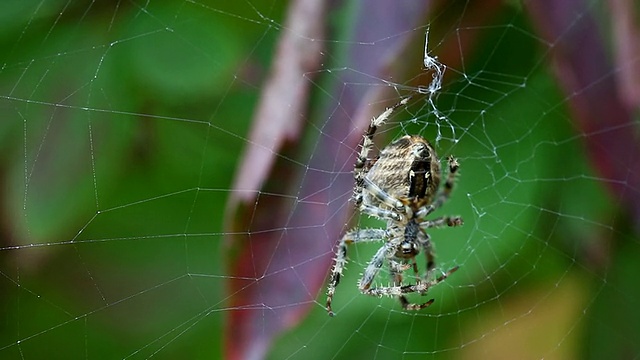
177 174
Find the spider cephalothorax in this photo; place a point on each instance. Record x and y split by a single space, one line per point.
400 186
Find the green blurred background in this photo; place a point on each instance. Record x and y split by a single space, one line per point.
124 122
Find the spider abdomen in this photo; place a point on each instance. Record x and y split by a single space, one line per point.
407 169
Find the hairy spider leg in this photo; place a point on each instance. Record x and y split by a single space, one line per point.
387 252
427 248
421 288
363 163
424 286
354 236
442 221
379 212
372 269
396 275
385 198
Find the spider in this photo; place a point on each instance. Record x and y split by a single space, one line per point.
400 186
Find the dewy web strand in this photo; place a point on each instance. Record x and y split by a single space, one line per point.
124 121
431 63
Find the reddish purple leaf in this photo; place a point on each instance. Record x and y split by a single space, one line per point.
279 119
284 98
626 34
280 266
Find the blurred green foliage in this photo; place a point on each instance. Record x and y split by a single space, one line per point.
123 123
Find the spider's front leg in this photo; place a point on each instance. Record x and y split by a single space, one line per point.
377 211
354 236
400 291
397 290
424 240
363 163
396 275
385 198
422 287
374 267
450 221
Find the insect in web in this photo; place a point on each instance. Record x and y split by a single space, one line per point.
402 187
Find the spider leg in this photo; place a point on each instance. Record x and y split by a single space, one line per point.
383 196
444 194
380 213
374 266
413 306
354 236
441 221
396 276
425 241
397 290
425 244
363 163
422 287
400 291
